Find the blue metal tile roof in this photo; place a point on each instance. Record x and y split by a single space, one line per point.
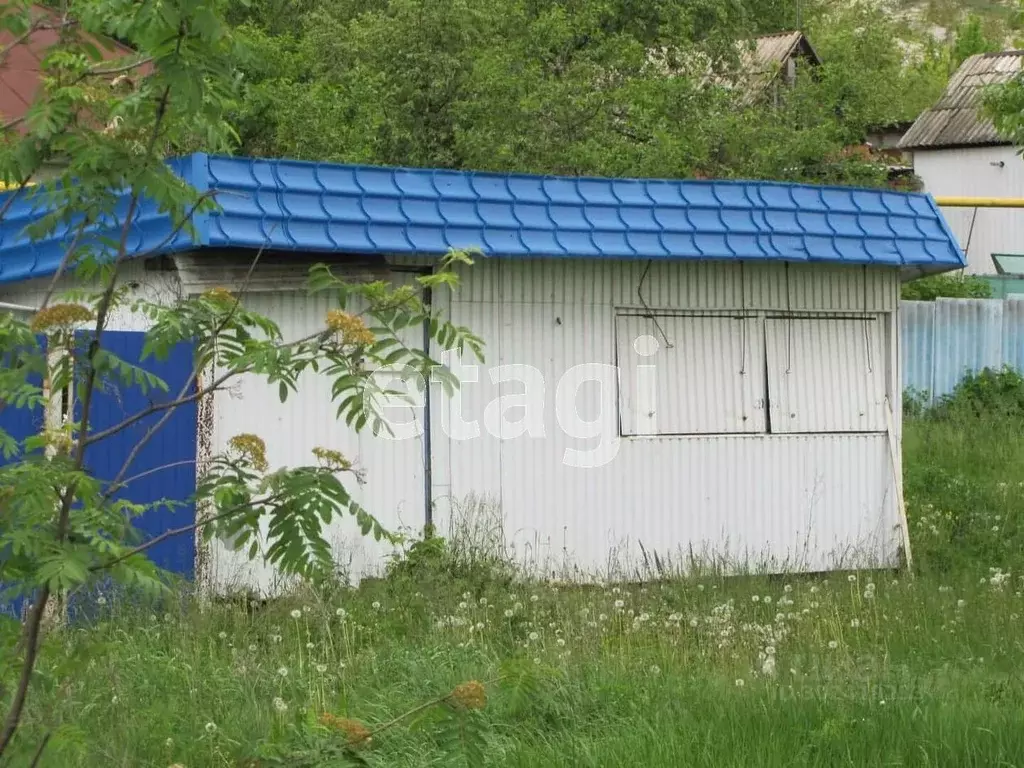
300 206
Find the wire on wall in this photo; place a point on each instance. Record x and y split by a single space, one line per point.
646 306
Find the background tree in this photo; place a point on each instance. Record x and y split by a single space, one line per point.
612 87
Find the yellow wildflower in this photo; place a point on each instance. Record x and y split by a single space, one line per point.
355 732
252 448
331 459
219 294
349 327
60 316
471 695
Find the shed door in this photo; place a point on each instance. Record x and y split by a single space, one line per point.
826 374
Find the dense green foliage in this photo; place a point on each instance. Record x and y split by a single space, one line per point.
610 87
946 286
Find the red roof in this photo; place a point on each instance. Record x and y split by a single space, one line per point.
20 68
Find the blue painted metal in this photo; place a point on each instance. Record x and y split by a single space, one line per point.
165 467
19 423
324 207
942 340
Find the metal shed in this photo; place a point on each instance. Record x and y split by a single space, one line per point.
679 373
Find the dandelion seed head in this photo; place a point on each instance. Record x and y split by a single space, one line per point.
296 614
280 705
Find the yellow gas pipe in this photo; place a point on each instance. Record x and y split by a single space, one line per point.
980 202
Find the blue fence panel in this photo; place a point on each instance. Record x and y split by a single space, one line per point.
165 466
19 423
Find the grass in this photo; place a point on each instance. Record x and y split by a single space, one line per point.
865 669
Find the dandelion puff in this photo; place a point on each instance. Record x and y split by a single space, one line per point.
275 638
814 590
101 600
788 588
509 613
767 599
280 705
341 613
869 594
466 595
211 727
855 623
282 672
534 598
534 636
833 644
169 743
755 598
296 614
619 604
561 642
479 625
694 623
222 635
961 603
483 601
310 646
700 587
463 605
252 648
375 605
602 617
739 682
536 660
655 669
321 668
768 666
851 578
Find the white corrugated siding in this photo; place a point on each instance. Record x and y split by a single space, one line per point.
826 374
665 363
976 172
580 500
150 285
394 468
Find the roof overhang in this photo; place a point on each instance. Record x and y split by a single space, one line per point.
329 208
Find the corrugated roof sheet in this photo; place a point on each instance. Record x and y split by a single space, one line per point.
771 51
298 206
955 121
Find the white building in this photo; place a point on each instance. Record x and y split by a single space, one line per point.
678 373
958 153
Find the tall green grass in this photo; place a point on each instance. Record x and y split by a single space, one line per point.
850 669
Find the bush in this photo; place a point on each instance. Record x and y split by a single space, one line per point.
946 286
989 392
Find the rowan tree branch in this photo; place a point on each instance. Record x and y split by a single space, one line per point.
189 383
183 529
33 625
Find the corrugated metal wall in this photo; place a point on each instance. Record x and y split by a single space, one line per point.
944 339
977 172
564 492
581 500
394 469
